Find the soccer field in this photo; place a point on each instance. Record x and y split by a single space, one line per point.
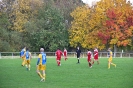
68 75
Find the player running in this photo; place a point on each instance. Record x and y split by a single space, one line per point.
27 54
110 59
89 56
95 56
41 64
58 55
22 55
65 54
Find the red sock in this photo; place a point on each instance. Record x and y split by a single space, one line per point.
59 63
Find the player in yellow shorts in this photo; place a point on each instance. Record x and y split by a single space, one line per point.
22 55
110 59
41 64
27 54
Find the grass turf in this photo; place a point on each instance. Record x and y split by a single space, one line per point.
68 75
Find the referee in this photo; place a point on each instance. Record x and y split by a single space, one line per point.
78 52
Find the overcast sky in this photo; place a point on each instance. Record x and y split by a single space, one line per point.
90 2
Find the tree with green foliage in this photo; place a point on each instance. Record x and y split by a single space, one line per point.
9 40
48 30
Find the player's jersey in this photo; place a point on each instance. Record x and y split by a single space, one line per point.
78 51
95 53
27 54
89 54
58 53
65 52
42 58
22 52
110 54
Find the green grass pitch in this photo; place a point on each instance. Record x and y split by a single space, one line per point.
68 75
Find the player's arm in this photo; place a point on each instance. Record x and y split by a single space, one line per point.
55 54
66 53
91 55
20 54
24 54
95 54
39 57
38 61
62 53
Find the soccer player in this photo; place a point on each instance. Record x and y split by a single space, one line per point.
27 54
41 64
58 55
110 59
96 56
65 54
78 52
89 55
22 55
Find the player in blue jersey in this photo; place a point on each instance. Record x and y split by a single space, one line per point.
27 55
41 64
22 55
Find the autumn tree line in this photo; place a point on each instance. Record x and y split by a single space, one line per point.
65 23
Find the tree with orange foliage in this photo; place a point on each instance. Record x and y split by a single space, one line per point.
118 29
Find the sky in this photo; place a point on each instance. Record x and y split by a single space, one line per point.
90 2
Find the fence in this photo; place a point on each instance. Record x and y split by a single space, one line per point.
13 55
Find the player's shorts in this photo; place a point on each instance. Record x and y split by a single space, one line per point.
58 58
110 59
27 61
41 67
23 58
96 58
78 56
89 60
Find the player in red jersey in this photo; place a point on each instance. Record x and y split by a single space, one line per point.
65 54
58 54
89 55
96 56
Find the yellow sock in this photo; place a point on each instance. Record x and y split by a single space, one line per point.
44 76
23 63
29 66
40 74
108 66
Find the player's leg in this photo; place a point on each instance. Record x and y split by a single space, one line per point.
29 65
109 62
57 60
108 65
65 57
38 72
78 58
113 64
97 61
90 63
23 61
26 64
60 61
93 61
43 72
